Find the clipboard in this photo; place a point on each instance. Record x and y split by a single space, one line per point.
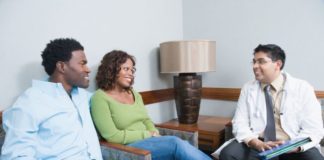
284 148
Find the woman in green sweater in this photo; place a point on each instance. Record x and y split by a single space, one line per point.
120 116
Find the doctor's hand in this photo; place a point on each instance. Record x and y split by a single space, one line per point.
262 146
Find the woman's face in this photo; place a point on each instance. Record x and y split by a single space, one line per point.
125 77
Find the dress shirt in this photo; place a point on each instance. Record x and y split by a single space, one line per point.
45 123
276 91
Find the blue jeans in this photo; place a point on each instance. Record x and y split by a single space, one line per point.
169 148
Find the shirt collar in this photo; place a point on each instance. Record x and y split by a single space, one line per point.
277 84
51 87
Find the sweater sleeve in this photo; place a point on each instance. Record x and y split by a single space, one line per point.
104 123
149 125
147 121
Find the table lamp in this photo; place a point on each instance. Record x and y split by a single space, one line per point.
187 58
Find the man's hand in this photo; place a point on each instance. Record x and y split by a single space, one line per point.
262 146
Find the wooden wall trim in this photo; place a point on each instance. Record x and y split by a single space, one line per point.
156 96
319 94
227 94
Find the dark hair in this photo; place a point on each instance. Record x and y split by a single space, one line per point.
110 67
58 50
273 51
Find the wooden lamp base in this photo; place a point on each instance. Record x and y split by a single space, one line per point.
187 97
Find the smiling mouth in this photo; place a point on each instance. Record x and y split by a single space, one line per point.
86 78
129 78
256 71
257 74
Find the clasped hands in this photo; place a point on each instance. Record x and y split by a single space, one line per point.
262 146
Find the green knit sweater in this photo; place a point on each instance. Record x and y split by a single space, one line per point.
118 122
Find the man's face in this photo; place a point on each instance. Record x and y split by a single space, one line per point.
265 70
76 70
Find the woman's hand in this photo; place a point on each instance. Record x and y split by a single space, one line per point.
154 134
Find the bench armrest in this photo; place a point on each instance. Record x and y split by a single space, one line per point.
119 151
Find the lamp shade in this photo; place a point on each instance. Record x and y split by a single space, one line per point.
187 56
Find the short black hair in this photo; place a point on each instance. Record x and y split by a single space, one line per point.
59 50
273 51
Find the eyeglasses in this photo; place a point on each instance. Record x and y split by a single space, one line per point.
260 61
126 69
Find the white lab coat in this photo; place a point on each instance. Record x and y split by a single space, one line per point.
300 112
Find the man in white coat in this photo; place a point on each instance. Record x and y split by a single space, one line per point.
295 110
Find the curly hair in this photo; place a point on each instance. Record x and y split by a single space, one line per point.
110 67
58 50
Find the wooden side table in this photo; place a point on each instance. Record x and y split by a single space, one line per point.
211 130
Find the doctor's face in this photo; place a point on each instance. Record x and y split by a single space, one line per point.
265 70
